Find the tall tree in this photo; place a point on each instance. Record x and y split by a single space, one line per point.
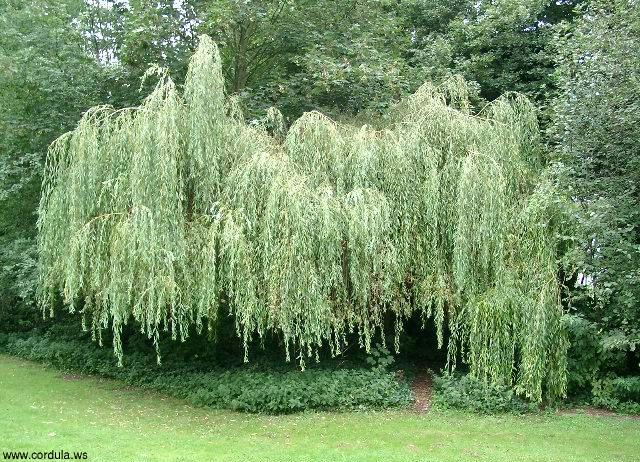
167 214
47 79
503 46
256 38
597 133
299 55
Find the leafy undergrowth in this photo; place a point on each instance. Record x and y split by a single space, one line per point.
248 389
619 394
611 395
465 392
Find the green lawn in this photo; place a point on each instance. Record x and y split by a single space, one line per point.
40 410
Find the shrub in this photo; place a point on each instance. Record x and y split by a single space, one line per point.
465 392
620 394
595 361
248 388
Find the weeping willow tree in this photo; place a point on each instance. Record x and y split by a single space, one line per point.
168 213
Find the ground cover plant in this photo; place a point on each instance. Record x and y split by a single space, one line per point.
465 392
174 212
255 388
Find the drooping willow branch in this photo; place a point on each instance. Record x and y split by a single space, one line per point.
165 213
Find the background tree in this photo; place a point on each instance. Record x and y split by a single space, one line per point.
339 56
47 79
502 46
597 133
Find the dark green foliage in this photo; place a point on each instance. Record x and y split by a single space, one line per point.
380 358
46 81
248 389
596 132
341 57
18 257
465 392
620 394
595 361
588 356
502 46
598 126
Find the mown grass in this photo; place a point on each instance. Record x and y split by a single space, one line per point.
42 410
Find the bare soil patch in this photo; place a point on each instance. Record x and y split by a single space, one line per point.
422 388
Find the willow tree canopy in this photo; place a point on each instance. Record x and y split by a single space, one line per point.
173 211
